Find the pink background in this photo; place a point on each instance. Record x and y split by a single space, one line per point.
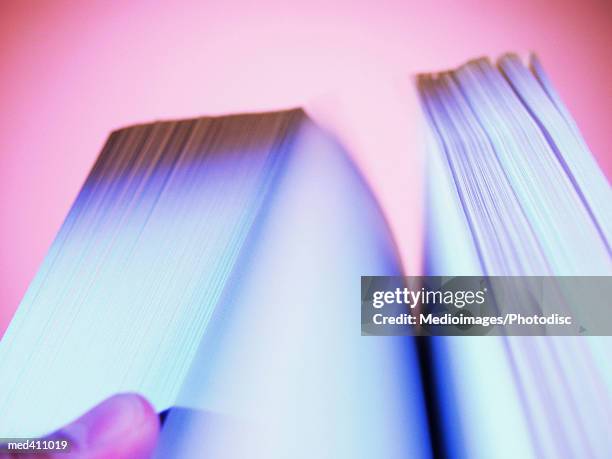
71 72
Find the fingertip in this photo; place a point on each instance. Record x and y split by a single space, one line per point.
123 426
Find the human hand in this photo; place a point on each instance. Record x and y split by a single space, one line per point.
124 426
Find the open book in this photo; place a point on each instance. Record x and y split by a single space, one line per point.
214 264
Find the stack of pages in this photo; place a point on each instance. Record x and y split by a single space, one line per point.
514 191
213 264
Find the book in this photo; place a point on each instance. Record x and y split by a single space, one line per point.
213 265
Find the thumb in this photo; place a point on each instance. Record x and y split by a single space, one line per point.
123 426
